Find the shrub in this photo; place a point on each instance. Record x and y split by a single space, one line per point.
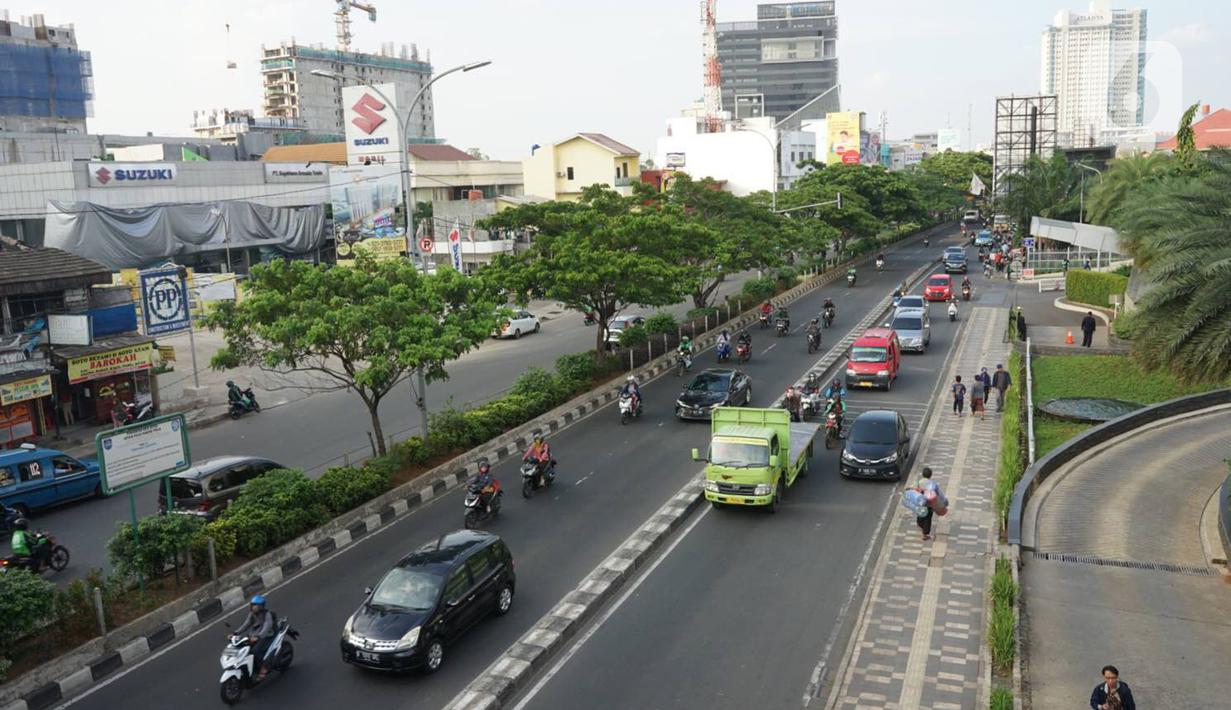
223 533
1126 326
344 488
661 323
450 431
1093 287
274 508
1010 466
1002 699
1000 635
759 289
26 600
633 336
576 370
699 313
74 605
1125 270
160 539
785 278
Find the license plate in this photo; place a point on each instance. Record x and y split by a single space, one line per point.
865 384
867 471
365 656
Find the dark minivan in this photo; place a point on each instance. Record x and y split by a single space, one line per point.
428 600
877 446
205 490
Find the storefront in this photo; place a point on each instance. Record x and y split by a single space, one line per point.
25 407
98 377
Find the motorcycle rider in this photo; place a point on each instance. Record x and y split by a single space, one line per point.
966 282
539 452
259 626
767 309
236 396
486 484
685 350
851 274
837 392
724 340
20 544
814 329
828 305
880 260
792 402
631 390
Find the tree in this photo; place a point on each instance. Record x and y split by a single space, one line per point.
854 221
1184 320
1124 178
955 168
1043 188
597 258
366 328
1185 140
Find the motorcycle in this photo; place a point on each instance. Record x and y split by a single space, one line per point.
534 476
952 312
814 341
926 242
810 402
55 556
833 427
683 363
590 319
880 264
965 293
243 405
743 353
724 352
764 321
239 664
783 326
628 410
827 318
477 510
896 297
129 413
850 280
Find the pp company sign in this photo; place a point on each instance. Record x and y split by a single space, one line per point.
164 301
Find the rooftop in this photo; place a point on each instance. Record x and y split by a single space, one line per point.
43 270
1213 131
609 143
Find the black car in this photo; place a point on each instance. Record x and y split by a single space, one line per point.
428 600
205 490
877 446
715 387
955 262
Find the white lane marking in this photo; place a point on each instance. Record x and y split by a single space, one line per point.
598 624
579 480
771 347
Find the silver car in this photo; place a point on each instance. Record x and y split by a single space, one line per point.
911 302
914 328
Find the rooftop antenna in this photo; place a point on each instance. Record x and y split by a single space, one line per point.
342 20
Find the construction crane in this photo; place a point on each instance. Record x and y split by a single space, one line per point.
712 72
342 20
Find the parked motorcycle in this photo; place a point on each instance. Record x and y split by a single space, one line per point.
814 341
783 326
743 353
827 318
478 508
534 476
239 664
42 545
724 352
245 404
130 413
628 410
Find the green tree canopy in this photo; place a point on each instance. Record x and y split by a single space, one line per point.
366 328
1123 179
1046 188
955 168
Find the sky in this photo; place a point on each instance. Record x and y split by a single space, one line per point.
619 67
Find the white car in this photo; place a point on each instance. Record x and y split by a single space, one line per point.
617 326
520 323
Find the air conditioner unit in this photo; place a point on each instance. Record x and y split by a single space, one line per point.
560 175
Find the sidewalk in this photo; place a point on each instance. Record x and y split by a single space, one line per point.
1048 325
918 640
1120 569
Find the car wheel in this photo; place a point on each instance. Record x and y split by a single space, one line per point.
517 334
504 601
716 505
537 326
435 656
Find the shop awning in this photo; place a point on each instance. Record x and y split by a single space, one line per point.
107 356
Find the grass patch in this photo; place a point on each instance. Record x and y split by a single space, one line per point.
1114 376
1002 699
1050 432
1011 465
1003 620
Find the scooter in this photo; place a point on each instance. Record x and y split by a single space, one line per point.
129 412
245 404
764 318
814 341
783 326
827 317
880 264
629 411
965 293
850 280
833 426
534 477
926 242
952 312
590 319
724 352
743 352
56 556
239 665
476 510
683 363
896 297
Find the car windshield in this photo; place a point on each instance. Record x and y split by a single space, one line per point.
874 431
867 354
910 302
408 589
707 382
938 282
738 455
908 323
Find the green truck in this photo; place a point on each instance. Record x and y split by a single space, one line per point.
754 456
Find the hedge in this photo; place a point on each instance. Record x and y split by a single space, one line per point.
25 601
1011 465
662 323
1093 287
162 539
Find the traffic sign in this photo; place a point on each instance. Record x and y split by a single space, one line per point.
426 244
1028 242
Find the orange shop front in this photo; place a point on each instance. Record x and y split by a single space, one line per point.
25 407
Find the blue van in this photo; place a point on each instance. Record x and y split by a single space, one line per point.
33 478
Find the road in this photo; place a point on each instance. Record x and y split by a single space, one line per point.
611 478
737 614
327 428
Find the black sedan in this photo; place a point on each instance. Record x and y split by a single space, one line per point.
716 387
877 446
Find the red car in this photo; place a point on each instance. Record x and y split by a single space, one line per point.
938 288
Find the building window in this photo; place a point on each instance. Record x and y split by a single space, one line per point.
27 308
569 172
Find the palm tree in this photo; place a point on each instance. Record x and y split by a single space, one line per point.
1185 318
1123 177
1043 188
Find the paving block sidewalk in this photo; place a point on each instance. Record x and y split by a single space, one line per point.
917 642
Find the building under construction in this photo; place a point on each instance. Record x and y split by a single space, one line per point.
45 81
1025 127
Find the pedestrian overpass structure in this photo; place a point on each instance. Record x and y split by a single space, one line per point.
1057 240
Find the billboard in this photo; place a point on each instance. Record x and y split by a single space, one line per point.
371 126
948 139
164 301
843 131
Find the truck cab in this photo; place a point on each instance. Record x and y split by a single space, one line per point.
754 456
874 359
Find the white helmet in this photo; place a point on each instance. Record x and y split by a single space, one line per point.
630 378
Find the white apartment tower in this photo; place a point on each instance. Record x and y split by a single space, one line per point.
292 91
1093 62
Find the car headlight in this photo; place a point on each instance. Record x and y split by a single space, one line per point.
851 373
847 456
762 489
882 373
409 640
711 486
680 404
347 630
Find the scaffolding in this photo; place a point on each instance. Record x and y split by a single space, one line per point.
1025 126
45 82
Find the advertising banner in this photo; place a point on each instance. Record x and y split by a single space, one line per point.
948 139
164 301
130 174
366 200
113 362
843 132
69 329
371 126
675 160
22 390
455 246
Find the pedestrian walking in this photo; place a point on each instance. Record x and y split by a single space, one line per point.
1111 694
1087 329
977 393
986 379
959 396
1021 324
936 502
1065 265
1087 265
1001 382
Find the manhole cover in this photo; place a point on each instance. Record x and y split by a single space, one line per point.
1089 409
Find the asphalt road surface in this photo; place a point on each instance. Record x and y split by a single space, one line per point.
611 478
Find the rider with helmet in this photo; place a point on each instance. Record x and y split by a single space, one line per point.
234 394
539 452
20 543
685 350
632 390
485 484
259 627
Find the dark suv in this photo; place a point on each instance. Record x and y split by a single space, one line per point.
428 600
208 488
877 446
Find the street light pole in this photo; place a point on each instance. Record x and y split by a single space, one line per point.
403 120
1081 218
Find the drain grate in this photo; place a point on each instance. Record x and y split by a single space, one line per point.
1198 570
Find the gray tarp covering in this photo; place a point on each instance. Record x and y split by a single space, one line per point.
121 238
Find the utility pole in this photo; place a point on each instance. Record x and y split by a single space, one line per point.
969 137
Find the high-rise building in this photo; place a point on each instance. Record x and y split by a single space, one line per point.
1093 62
781 62
45 81
293 91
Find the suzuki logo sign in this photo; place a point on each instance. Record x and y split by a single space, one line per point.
369 118
122 174
103 175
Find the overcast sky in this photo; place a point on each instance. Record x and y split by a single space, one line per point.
619 67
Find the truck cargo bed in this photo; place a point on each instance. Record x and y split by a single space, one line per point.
802 434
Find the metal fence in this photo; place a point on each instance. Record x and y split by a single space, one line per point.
1048 262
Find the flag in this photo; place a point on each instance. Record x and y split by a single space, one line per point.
976 185
455 245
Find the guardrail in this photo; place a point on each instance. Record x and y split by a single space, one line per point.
1224 516
1029 406
1061 455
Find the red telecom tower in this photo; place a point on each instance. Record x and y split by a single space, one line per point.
712 71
